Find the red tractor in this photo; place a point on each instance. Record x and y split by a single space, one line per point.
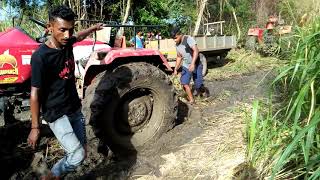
266 36
127 94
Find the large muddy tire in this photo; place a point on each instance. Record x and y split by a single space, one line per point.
131 106
2 109
203 61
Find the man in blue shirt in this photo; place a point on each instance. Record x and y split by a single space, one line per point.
139 42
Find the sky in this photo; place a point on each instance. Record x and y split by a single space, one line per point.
5 12
1 16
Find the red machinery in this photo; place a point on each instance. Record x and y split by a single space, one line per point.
127 93
256 35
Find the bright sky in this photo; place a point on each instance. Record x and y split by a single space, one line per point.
4 12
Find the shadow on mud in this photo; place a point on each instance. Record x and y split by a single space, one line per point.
13 157
219 63
244 171
183 112
111 122
16 155
120 166
110 169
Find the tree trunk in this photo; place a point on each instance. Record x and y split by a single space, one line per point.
122 8
235 18
203 4
221 10
264 9
126 15
21 16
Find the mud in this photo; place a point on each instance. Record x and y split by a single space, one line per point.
207 142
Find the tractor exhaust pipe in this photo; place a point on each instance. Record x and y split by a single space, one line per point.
40 23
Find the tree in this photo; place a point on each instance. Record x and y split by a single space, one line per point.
202 4
126 14
235 18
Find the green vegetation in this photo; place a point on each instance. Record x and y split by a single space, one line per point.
283 140
284 136
241 62
164 12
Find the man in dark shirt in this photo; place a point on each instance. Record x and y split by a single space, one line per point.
53 89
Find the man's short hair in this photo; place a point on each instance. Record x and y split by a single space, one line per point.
175 31
63 12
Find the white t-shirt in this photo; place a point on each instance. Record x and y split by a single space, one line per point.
185 50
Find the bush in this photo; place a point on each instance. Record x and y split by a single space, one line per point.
286 142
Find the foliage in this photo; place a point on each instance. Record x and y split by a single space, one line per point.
293 10
181 13
245 15
240 62
32 8
287 141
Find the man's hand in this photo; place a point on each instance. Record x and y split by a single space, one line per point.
33 137
175 72
35 120
98 27
83 34
191 67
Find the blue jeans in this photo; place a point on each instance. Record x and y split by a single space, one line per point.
71 134
196 75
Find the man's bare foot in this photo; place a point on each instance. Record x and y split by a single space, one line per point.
191 102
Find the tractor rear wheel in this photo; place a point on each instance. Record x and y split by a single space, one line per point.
131 106
2 109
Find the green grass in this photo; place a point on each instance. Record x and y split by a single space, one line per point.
31 28
4 25
241 62
283 137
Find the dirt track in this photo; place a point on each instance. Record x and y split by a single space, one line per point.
207 143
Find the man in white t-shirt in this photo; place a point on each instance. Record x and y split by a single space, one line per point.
188 56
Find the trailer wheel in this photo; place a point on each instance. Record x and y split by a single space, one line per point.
221 59
131 106
203 61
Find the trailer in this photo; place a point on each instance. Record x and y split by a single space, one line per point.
213 44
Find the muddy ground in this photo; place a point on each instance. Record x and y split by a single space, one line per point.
208 141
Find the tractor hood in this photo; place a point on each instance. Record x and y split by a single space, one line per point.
15 37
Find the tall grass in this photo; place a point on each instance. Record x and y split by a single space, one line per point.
22 20
4 25
284 138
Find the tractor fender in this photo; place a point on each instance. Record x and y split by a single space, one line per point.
106 59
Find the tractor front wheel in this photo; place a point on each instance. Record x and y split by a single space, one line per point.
131 106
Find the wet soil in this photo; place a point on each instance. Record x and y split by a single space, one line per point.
207 143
